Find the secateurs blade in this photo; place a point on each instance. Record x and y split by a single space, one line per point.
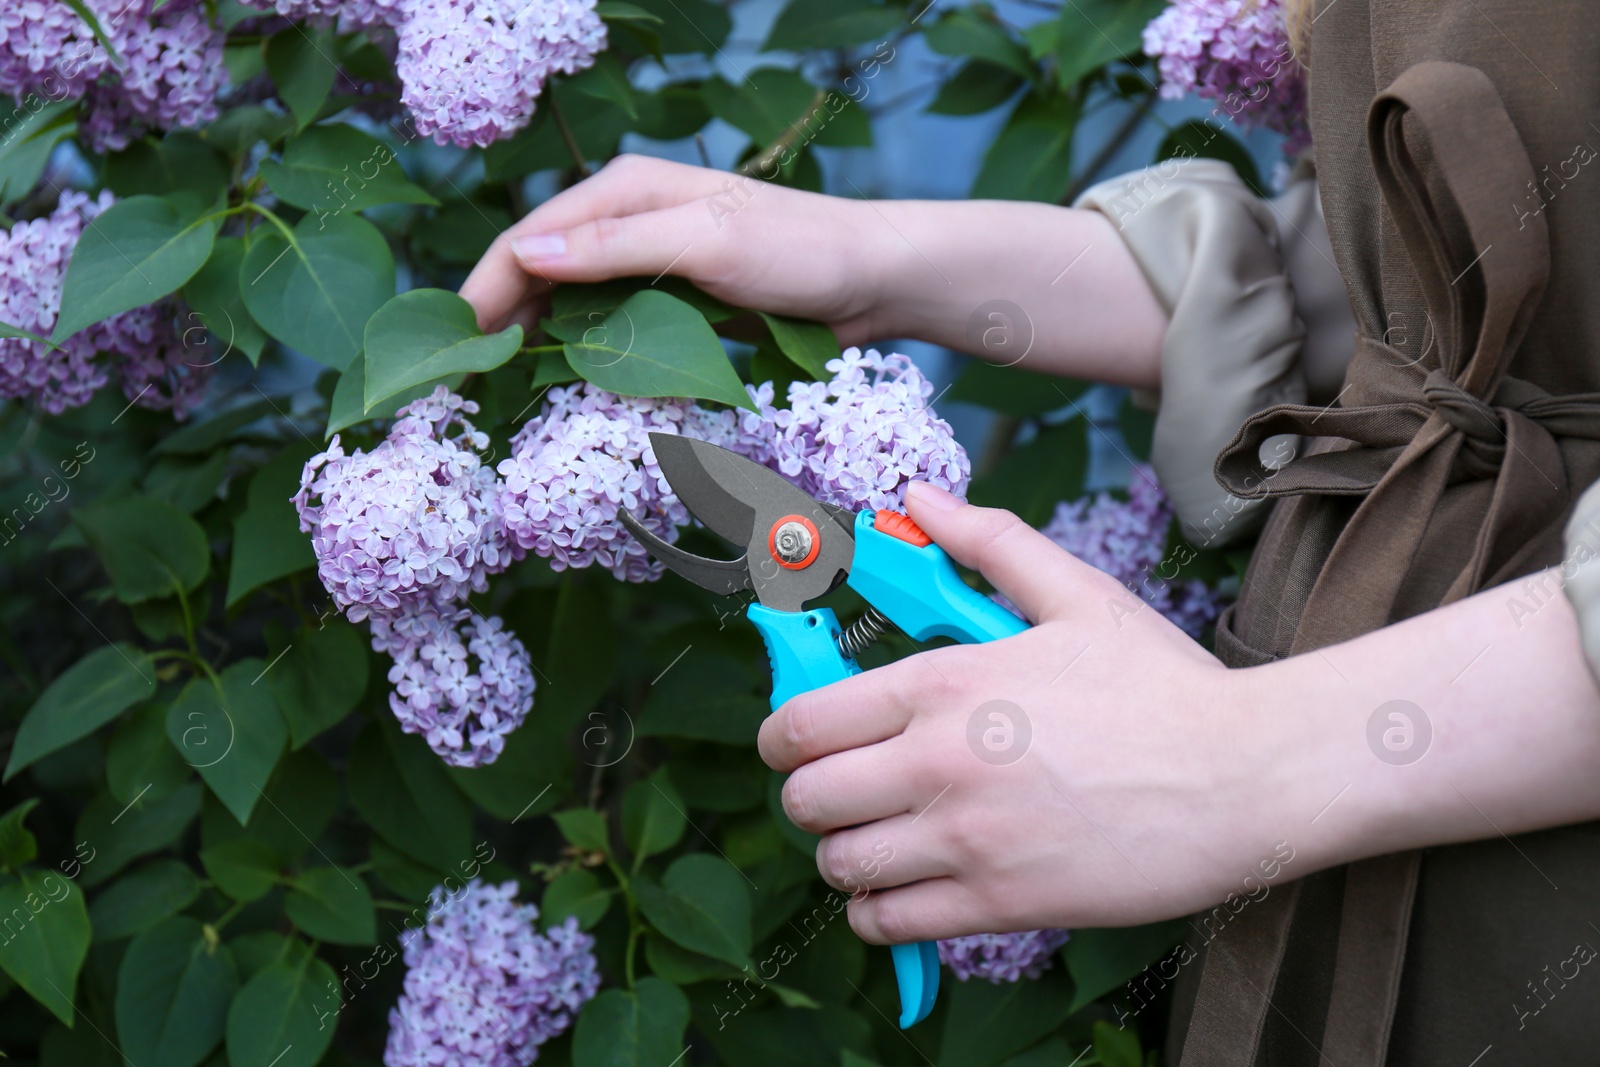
796 549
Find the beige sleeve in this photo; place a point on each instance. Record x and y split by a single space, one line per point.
1579 575
1257 315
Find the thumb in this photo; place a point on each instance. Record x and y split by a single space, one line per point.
1038 576
649 243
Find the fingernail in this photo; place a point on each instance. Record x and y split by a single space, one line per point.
539 246
928 495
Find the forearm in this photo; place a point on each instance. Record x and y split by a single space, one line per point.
1513 713
1088 308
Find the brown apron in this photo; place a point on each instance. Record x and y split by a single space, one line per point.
1469 423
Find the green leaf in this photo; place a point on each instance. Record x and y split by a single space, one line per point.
810 345
975 88
47 937
412 880
618 11
400 788
1197 139
217 304
17 843
242 128
173 991
1101 960
244 869
639 1028
335 168
204 438
16 331
715 699
87 14
578 893
301 800
987 1022
348 405
29 142
680 966
140 761
1092 33
805 24
1033 479
652 816
703 904
784 1037
975 33
596 125
584 828
284 1016
687 26
302 61
177 163
267 542
87 695
1032 157
320 678
333 905
120 833
134 253
149 548
186 483
138 901
671 112
426 334
527 779
1116 1047
233 735
657 345
607 80
315 288
1011 390
773 103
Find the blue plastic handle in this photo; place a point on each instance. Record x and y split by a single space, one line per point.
918 589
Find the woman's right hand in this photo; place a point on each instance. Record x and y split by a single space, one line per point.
750 243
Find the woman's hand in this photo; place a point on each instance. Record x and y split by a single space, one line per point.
1088 772
747 242
1101 769
1048 288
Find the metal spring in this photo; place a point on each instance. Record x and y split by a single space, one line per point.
863 633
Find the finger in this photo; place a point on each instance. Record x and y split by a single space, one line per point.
1040 578
628 184
921 911
882 855
860 710
860 785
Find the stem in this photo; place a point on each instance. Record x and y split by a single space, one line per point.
1110 148
761 161
226 917
566 135
635 927
529 350
270 216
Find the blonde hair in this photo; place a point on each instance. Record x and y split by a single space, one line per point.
1297 17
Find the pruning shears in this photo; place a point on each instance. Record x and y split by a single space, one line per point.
797 549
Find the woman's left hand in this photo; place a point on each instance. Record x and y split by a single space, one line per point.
1096 770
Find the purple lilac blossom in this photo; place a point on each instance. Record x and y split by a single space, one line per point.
472 69
1001 957
483 986
854 441
1128 540
48 50
1233 48
142 343
412 524
171 74
460 680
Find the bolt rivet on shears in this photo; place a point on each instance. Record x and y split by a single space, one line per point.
794 542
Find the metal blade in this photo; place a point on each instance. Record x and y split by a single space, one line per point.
722 576
745 503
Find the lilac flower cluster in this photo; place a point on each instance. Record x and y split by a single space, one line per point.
1236 52
853 441
141 345
168 72
171 75
402 535
470 70
1001 957
1128 540
484 987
